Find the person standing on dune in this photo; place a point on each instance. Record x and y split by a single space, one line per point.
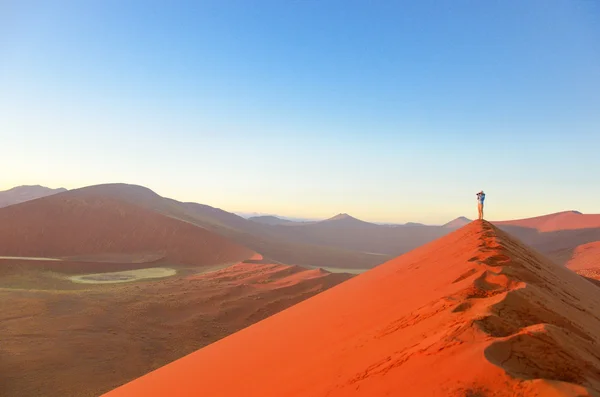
480 198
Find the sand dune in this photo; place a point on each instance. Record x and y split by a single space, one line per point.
568 240
84 342
83 223
586 260
475 313
567 220
270 241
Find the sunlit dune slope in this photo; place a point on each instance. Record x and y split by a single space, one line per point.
586 260
567 220
475 313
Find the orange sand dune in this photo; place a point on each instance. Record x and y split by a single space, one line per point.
586 260
84 223
567 220
256 257
474 313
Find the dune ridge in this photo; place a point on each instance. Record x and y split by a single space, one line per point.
539 332
493 317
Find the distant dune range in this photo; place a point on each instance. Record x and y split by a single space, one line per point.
474 313
560 236
265 239
346 242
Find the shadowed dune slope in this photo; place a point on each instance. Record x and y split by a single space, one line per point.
475 313
83 223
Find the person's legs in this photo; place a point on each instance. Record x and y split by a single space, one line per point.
480 208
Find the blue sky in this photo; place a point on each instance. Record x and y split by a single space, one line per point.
391 110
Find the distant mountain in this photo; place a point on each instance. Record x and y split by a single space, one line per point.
413 224
344 231
345 220
340 217
93 222
270 220
21 194
248 215
457 223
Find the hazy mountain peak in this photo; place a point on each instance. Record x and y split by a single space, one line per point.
21 194
342 216
458 222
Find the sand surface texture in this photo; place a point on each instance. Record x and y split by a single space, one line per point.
475 313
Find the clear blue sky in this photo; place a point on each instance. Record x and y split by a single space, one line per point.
388 110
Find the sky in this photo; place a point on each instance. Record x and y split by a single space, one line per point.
393 111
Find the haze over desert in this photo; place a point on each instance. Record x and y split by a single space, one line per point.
299 199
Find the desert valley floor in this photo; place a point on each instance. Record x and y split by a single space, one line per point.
61 338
